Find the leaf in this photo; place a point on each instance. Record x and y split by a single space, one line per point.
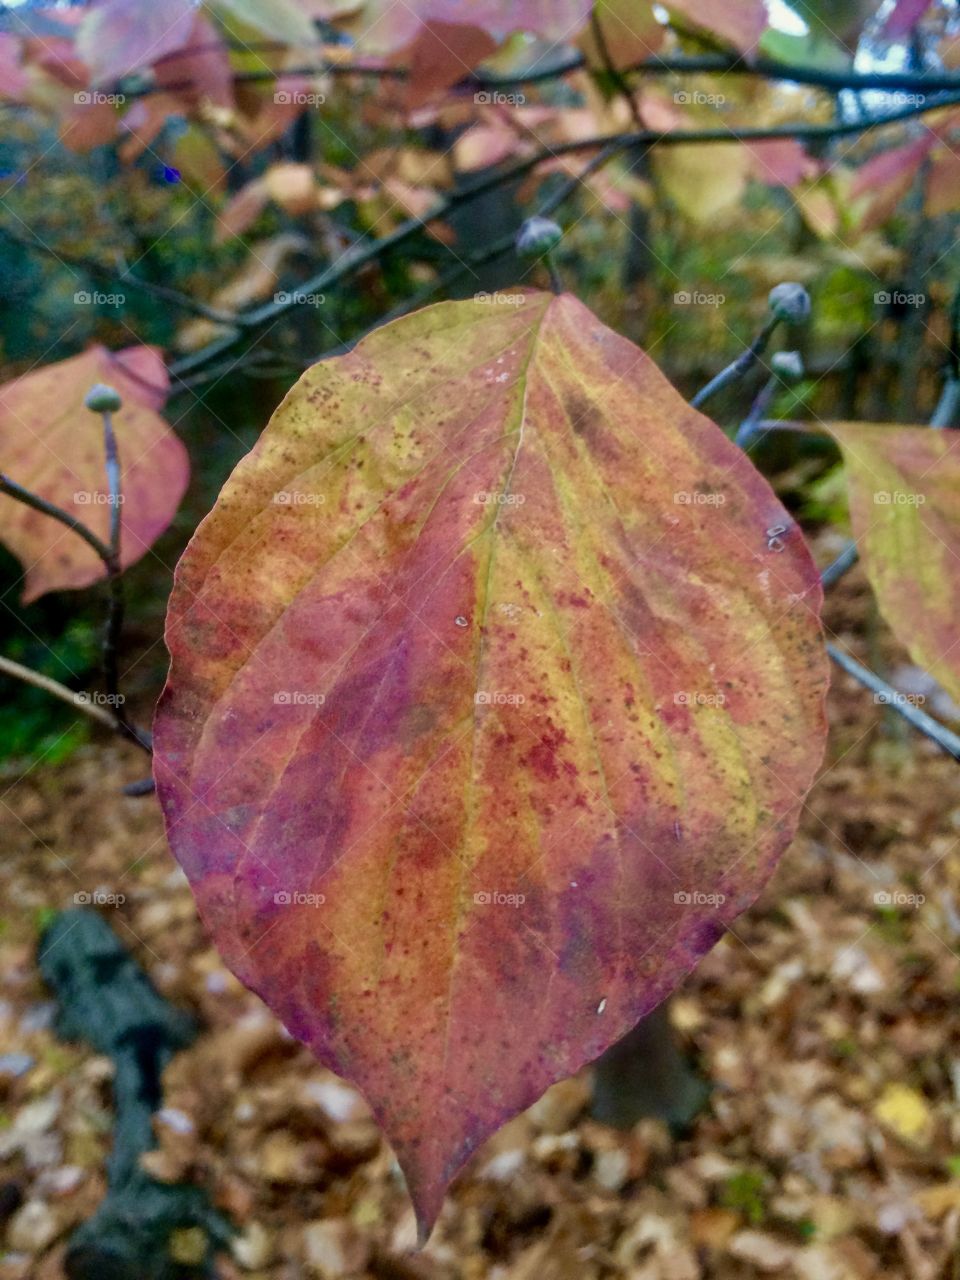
904 485
905 1112
630 32
737 22
281 19
120 36
903 18
51 444
703 180
382 26
492 663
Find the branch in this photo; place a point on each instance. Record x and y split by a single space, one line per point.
76 700
359 256
33 500
704 64
124 276
938 733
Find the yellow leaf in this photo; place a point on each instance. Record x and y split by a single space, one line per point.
905 1112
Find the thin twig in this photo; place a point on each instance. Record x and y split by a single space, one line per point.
938 733
33 500
737 368
703 64
359 256
78 701
844 562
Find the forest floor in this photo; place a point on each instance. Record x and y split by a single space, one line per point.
825 1023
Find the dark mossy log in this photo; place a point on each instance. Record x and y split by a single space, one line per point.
144 1229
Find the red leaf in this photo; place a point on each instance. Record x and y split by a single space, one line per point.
906 14
488 612
120 36
53 445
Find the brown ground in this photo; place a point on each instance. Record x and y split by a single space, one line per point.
830 1149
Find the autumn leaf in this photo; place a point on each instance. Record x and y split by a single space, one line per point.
120 36
496 686
737 22
904 485
51 444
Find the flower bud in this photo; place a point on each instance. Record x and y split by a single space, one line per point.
787 365
537 236
790 302
102 399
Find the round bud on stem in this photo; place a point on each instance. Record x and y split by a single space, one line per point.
536 237
787 365
790 302
102 399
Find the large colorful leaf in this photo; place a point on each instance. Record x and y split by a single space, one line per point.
904 485
51 444
496 686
